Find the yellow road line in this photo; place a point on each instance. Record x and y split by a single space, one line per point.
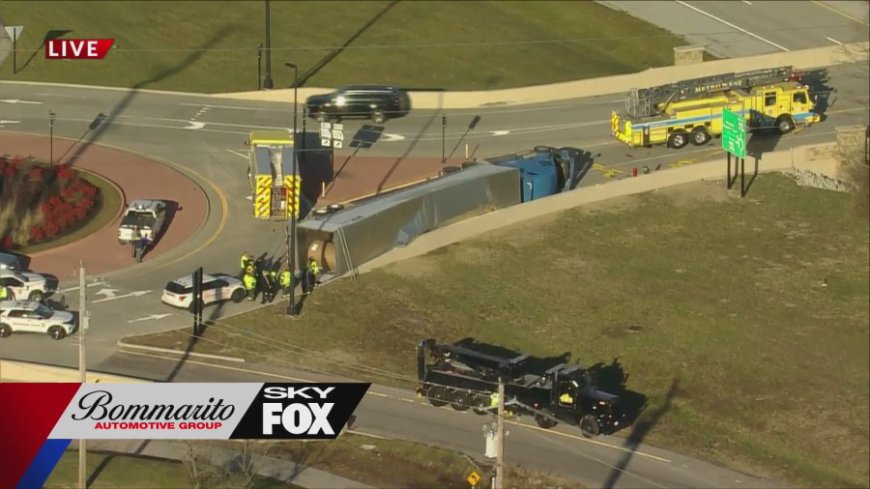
840 13
379 394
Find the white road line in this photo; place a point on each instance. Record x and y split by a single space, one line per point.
729 24
834 41
747 3
77 288
233 107
239 154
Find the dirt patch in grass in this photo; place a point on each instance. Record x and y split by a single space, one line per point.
772 367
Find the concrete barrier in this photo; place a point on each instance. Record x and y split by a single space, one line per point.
818 158
803 60
12 371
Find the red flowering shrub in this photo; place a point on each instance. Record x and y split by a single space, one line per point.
61 199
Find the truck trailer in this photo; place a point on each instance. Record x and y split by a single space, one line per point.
462 377
691 110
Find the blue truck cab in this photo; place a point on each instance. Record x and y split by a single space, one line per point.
543 172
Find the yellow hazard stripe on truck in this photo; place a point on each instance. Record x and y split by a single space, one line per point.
263 197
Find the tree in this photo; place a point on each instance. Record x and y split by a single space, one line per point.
198 461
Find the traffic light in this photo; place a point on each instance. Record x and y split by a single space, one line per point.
294 192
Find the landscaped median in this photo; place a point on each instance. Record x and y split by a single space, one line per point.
755 308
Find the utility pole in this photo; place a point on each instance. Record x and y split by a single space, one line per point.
83 370
267 83
499 463
292 242
51 137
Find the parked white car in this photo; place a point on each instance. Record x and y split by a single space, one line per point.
34 317
26 285
10 262
215 288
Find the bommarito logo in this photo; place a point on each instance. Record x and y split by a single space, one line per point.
99 406
300 411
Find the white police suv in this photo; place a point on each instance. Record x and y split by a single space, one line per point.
34 317
215 288
26 285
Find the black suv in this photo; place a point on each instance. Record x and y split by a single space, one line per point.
377 102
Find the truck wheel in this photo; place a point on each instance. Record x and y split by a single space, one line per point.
378 117
678 139
238 295
5 331
56 333
700 136
785 124
438 396
461 401
589 426
544 422
36 295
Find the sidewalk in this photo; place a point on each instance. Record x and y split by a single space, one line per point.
275 468
136 177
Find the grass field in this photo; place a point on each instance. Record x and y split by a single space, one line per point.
772 368
134 472
107 208
211 46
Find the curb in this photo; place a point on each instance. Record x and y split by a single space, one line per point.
122 345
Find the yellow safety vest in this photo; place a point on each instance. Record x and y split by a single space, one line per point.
250 282
566 398
285 278
3 293
493 400
313 268
244 262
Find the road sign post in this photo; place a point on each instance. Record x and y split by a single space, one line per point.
331 136
14 32
734 143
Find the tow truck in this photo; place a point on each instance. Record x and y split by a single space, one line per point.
691 110
463 377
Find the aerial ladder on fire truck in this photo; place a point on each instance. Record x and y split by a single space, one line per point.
691 110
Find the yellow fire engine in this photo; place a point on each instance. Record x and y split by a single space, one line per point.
275 192
691 111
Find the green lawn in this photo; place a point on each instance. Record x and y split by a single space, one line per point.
772 368
134 472
209 46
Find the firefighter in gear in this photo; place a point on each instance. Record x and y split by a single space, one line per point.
286 279
246 261
250 285
311 272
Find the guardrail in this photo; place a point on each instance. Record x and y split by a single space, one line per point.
802 60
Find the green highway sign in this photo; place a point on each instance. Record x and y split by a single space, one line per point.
734 133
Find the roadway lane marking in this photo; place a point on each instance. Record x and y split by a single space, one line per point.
238 153
747 3
19 101
841 13
111 296
729 24
834 41
152 317
379 394
200 113
94 284
233 107
500 133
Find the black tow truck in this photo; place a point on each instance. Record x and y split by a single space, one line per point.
462 377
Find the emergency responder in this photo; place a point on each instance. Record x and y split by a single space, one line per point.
493 400
286 277
250 285
268 285
4 293
245 262
138 246
311 272
566 398
273 281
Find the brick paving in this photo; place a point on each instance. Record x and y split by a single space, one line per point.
137 177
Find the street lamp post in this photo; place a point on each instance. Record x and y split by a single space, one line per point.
260 66
293 245
51 137
267 83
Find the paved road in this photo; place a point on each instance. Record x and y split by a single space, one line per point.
157 124
746 28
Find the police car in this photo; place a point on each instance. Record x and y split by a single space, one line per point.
27 285
34 317
215 288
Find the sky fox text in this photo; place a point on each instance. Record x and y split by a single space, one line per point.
97 406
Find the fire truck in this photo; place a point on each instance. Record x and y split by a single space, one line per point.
464 377
691 111
274 190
